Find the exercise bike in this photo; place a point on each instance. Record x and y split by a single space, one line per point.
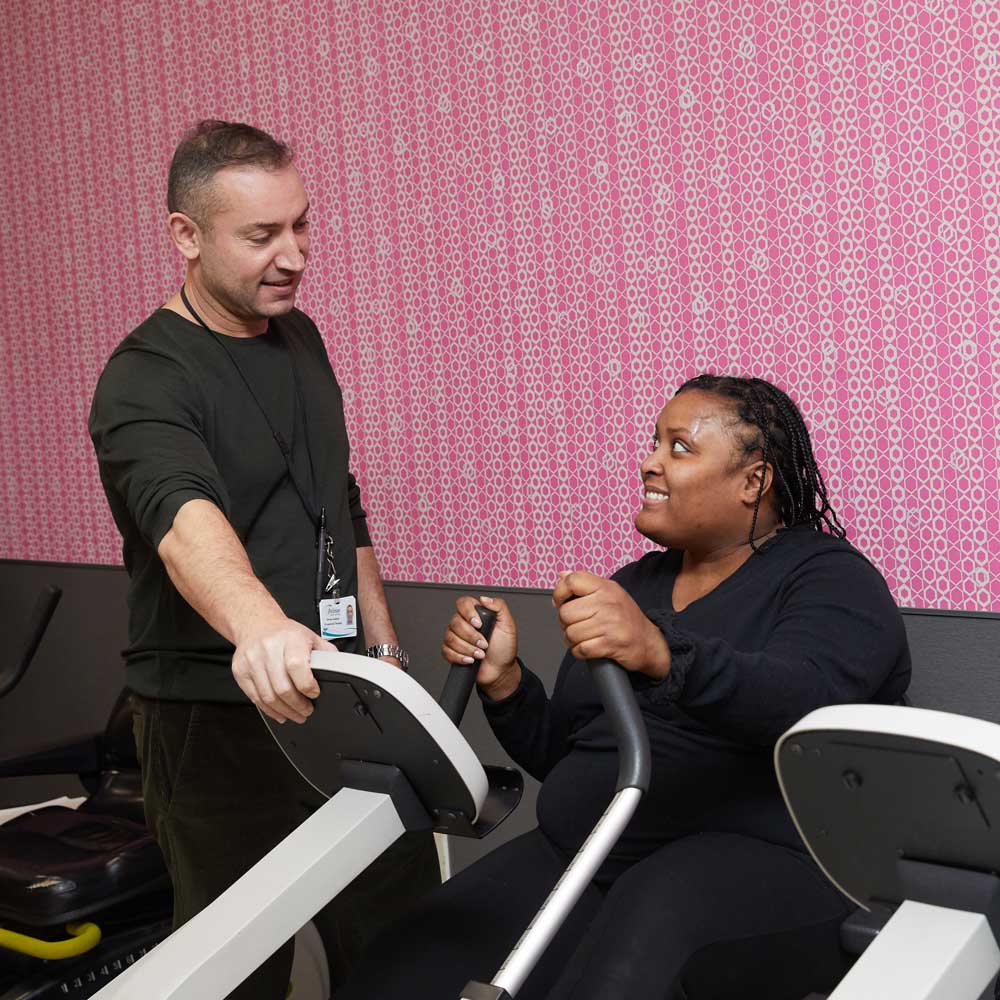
84 893
390 759
900 807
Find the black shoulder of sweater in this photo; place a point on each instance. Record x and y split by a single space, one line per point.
788 549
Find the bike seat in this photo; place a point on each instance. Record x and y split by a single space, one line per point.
59 864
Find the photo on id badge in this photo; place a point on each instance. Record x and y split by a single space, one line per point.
338 618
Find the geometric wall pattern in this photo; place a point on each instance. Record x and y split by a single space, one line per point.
532 220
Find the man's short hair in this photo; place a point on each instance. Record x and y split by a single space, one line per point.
207 148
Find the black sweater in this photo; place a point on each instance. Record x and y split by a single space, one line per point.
172 420
805 622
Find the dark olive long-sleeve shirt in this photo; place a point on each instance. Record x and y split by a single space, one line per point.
173 420
805 622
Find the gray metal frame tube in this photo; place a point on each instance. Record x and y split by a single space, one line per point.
516 969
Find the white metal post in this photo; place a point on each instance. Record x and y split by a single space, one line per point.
216 950
925 953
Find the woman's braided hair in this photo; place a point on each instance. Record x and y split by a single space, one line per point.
782 440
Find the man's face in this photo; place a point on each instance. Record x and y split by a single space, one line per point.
253 248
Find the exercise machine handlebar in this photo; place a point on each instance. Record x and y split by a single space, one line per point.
634 765
462 678
619 702
616 695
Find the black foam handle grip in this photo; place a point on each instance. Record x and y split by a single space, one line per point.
619 702
44 608
462 676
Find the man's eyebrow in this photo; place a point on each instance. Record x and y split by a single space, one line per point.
254 226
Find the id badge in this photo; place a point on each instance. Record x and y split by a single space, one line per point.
338 618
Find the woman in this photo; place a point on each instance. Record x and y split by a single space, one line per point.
757 612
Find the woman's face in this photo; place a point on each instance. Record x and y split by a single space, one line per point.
698 492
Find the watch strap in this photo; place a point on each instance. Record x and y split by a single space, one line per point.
389 649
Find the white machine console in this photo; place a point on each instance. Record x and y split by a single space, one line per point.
900 807
370 713
390 759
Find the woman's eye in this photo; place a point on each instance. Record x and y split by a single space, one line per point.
679 445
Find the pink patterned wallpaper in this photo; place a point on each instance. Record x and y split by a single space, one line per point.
532 221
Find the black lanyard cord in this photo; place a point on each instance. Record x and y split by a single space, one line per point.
283 446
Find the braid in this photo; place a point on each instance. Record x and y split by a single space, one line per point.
782 440
761 420
815 507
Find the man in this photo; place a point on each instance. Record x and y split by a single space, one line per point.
219 430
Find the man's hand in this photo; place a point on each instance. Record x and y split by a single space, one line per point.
600 620
271 666
209 567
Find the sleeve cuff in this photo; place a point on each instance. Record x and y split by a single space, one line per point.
498 709
161 519
681 658
362 539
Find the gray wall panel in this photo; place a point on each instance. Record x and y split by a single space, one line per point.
77 673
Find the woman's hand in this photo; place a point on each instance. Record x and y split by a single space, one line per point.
498 674
600 620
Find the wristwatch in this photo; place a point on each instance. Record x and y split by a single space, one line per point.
387 649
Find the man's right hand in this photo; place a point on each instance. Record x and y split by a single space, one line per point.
498 674
210 568
271 666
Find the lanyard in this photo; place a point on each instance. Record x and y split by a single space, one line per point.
324 542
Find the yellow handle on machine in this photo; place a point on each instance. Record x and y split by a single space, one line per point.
84 937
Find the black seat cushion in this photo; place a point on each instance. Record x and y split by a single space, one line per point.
57 864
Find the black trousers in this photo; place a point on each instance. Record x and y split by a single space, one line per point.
219 794
708 917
